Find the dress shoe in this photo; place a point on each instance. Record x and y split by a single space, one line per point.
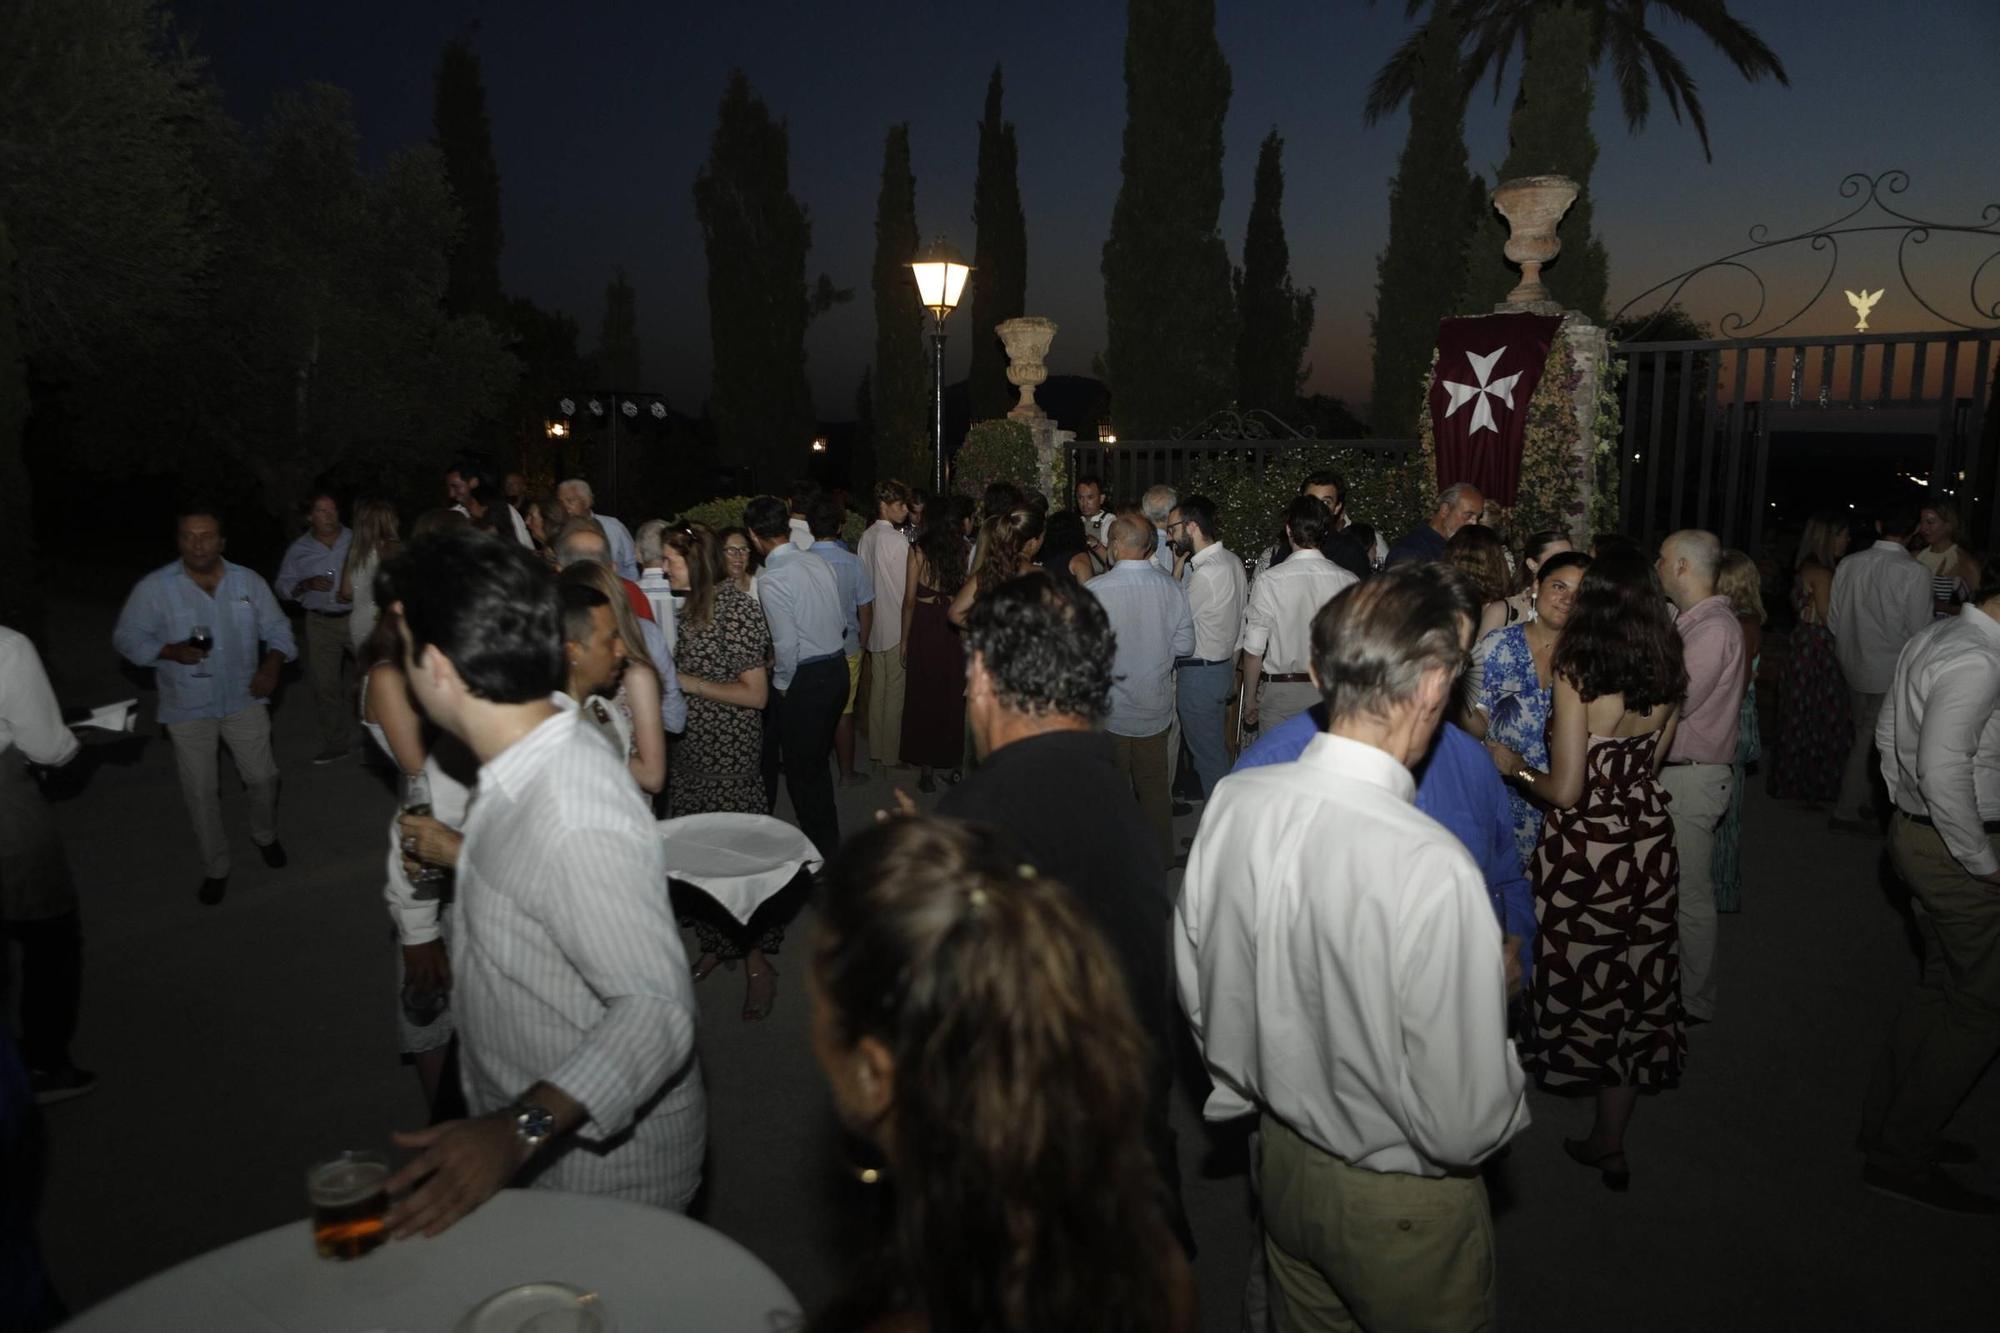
1931 1189
212 889
331 755
273 853
1942 1152
60 1085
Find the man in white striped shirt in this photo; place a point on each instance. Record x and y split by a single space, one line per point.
572 994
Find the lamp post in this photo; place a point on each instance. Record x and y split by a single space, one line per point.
608 405
940 272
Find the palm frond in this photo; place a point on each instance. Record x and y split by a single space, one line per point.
1678 87
1737 41
1396 80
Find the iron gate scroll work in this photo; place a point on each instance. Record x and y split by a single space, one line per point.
1732 394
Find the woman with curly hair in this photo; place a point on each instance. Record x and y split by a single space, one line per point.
933 734
1482 557
975 1032
1606 993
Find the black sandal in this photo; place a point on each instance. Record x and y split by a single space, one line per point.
1616 1179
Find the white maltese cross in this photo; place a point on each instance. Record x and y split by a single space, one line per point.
1476 394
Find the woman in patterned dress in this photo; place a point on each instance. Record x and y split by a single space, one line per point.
724 657
1513 687
1605 999
1810 749
1739 581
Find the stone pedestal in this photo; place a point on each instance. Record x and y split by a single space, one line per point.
1589 345
1051 447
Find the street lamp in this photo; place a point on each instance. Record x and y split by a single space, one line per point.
940 272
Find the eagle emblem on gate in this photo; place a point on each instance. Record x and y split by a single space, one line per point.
1864 301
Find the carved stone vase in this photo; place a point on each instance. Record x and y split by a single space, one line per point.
1533 205
1027 340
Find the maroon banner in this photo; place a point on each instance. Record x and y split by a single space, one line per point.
1487 370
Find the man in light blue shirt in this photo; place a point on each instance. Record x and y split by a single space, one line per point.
578 502
857 601
214 692
1152 626
583 544
310 576
802 603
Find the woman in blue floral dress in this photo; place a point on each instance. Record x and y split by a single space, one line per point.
1512 689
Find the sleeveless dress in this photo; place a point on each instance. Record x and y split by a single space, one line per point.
1606 995
1517 705
1814 730
1726 863
934 688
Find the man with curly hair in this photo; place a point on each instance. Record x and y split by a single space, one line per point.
1037 685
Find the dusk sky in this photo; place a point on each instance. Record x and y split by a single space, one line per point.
602 113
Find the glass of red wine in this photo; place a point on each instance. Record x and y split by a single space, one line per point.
202 642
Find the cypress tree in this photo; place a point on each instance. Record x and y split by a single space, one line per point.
756 236
1169 312
861 465
1000 257
900 383
465 138
1276 317
1549 135
1420 275
620 360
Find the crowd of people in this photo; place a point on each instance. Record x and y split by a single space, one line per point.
1469 812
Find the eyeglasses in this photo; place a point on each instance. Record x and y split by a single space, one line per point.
736 550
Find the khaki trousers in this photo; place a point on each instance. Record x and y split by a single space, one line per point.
1370 1250
1143 759
1279 700
885 706
247 733
1948 1028
1857 780
1700 795
326 646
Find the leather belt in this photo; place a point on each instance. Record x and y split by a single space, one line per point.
1989 826
1285 677
1202 661
823 657
329 615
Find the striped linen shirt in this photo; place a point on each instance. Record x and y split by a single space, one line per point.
569 967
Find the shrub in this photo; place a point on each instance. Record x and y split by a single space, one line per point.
727 512
996 450
1385 493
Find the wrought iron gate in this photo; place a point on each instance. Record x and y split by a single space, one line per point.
1704 419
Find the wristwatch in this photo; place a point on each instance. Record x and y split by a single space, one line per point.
533 1125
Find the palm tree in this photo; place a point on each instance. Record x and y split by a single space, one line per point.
1639 59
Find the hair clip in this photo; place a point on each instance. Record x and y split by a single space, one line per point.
1024 870
977 897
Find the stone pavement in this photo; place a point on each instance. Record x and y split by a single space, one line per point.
237 1043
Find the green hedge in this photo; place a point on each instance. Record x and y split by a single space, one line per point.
1390 497
994 450
727 512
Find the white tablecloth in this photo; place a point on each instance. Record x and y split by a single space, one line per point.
653 1270
738 860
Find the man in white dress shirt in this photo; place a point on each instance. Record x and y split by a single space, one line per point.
1277 628
578 502
1881 598
1940 739
1093 506
1216 593
470 486
1345 979
885 551
1152 629
310 576
571 991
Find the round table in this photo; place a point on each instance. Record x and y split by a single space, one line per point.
653 1269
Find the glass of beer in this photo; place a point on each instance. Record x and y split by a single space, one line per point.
350 1197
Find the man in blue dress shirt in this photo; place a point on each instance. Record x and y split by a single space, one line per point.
220 692
1153 627
310 576
801 600
857 602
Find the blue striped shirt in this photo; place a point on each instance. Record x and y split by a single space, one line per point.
241 615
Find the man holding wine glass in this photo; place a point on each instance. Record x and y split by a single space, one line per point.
310 576
213 685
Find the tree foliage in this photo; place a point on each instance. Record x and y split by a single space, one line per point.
1276 318
619 362
1000 256
900 378
465 138
1420 274
1169 310
757 236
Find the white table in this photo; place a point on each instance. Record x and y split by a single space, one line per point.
653 1269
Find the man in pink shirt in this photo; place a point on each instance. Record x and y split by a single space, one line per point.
1698 775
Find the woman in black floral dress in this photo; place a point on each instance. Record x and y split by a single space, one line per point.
723 657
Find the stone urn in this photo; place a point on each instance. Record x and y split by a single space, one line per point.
1533 205
1027 340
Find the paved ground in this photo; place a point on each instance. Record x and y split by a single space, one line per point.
238 1043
